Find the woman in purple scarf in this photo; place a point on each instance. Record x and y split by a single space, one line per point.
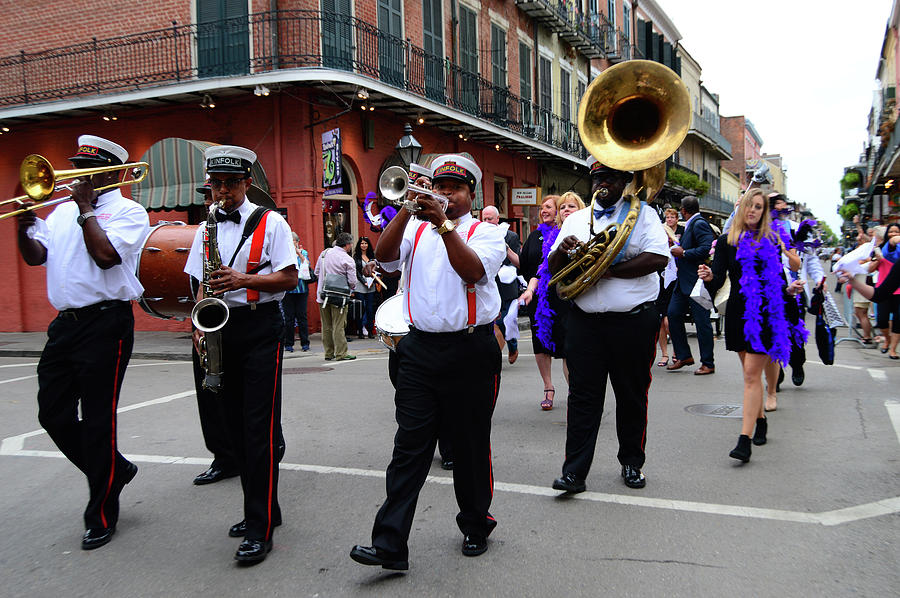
548 316
756 327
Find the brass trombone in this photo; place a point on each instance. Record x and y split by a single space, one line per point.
40 181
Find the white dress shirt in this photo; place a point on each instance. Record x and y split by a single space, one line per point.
73 277
278 250
619 294
436 295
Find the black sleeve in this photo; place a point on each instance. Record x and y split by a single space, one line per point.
889 285
527 266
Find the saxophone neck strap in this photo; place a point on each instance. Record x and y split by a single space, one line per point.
252 222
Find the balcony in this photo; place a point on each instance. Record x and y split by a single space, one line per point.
588 34
285 46
708 133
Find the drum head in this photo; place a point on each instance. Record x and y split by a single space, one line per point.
390 323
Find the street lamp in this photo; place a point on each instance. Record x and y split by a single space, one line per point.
408 148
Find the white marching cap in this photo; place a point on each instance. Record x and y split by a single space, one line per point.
229 158
91 147
457 167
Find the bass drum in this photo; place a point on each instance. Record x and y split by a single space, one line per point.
389 322
168 293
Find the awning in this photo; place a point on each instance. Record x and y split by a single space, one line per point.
177 168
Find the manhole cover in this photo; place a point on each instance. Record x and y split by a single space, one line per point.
311 370
735 411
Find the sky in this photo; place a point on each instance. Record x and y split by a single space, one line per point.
803 72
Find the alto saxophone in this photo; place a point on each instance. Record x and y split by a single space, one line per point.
210 314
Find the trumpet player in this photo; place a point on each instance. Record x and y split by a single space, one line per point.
258 264
90 248
612 330
448 363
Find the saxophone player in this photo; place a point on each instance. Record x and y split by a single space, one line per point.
258 265
612 330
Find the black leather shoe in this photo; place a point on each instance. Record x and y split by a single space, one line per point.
797 375
633 476
253 551
213 475
371 555
569 483
239 529
474 545
96 537
447 464
742 451
759 435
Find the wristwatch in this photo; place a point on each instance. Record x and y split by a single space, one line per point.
446 227
82 218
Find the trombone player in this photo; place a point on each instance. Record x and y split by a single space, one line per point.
90 247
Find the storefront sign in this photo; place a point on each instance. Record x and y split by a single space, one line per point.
526 196
331 158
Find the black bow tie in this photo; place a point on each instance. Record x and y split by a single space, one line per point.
222 216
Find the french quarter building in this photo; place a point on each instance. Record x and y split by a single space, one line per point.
321 91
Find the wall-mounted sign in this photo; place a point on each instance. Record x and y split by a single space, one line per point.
526 196
331 158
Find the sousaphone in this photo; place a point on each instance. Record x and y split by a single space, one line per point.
632 118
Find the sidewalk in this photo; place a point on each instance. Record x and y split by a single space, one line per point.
174 346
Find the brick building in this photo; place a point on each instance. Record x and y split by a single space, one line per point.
497 79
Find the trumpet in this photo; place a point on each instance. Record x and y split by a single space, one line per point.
40 181
393 184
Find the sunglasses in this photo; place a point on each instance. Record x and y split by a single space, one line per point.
229 183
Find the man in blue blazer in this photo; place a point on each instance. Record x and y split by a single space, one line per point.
693 251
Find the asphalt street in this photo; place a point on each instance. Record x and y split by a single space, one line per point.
814 513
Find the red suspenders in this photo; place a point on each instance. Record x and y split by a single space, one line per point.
470 288
256 247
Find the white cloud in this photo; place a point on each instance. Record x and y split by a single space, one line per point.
802 72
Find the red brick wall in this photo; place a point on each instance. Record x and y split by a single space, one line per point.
33 25
732 128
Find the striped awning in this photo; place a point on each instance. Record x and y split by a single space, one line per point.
177 168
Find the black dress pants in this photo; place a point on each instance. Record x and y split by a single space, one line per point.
620 347
212 423
251 402
452 377
294 305
84 361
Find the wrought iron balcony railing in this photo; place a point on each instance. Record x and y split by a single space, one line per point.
707 129
267 42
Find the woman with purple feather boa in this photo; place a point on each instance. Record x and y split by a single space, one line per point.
548 328
756 327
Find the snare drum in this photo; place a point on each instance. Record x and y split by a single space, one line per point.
168 293
389 322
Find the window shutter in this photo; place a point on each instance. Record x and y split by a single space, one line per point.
667 55
642 36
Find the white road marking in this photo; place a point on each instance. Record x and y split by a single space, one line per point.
18 365
893 409
877 374
18 379
835 365
15 446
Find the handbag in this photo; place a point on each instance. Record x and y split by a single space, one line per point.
336 290
701 295
721 298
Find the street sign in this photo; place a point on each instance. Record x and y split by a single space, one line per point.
526 196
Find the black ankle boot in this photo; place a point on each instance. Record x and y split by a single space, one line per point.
759 435
742 450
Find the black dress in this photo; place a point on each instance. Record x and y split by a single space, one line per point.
724 264
529 262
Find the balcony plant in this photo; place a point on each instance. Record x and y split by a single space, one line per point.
848 210
850 180
688 180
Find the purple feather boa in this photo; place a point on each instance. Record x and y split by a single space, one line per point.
543 314
762 286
